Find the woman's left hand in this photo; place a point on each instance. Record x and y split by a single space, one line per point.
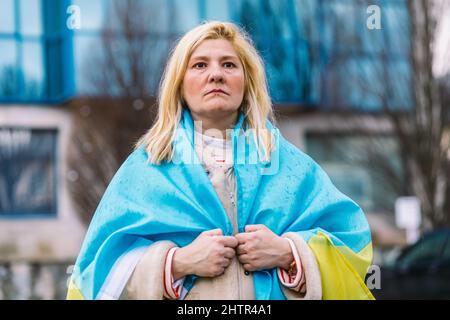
259 248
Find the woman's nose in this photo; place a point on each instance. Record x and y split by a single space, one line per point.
216 75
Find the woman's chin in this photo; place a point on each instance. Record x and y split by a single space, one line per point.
220 108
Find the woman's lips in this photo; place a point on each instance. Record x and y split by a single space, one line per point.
217 91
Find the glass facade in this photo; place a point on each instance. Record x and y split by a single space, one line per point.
317 53
35 52
362 65
28 172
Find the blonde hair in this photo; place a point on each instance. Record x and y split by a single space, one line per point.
256 104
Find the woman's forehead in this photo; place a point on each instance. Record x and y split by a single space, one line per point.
220 48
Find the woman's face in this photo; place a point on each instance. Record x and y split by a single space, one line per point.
213 85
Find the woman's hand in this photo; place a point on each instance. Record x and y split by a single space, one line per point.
207 256
259 248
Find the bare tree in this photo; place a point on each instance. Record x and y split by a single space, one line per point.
421 132
420 129
123 72
392 69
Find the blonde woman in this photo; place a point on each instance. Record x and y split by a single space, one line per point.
214 203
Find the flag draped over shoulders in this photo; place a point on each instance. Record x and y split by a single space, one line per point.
176 201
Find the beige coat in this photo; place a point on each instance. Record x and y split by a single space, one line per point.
146 281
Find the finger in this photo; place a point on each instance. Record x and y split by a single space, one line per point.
241 237
248 267
213 232
254 227
221 271
240 250
229 253
226 262
244 258
229 241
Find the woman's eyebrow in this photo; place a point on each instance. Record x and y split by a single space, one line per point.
206 58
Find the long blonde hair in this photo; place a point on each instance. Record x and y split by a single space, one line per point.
256 104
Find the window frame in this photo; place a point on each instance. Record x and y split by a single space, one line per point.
55 183
52 14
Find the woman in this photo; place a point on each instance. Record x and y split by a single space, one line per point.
214 203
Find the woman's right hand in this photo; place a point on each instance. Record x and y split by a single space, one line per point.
207 256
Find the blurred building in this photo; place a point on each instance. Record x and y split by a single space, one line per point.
329 73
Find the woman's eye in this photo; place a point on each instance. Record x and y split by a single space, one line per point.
229 65
199 65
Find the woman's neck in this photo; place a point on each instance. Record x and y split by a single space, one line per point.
213 127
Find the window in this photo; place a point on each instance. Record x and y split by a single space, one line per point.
317 53
321 52
7 17
35 59
186 15
365 69
359 171
218 10
280 37
28 172
8 74
107 70
31 19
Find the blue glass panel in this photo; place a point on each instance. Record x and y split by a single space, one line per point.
218 10
355 82
279 21
28 172
138 15
31 17
366 83
306 11
369 40
248 14
33 70
288 77
339 25
185 15
55 69
267 19
333 89
396 22
7 16
97 73
82 54
400 91
159 21
369 83
8 55
315 85
91 13
55 16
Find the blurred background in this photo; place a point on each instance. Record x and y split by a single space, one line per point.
361 86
